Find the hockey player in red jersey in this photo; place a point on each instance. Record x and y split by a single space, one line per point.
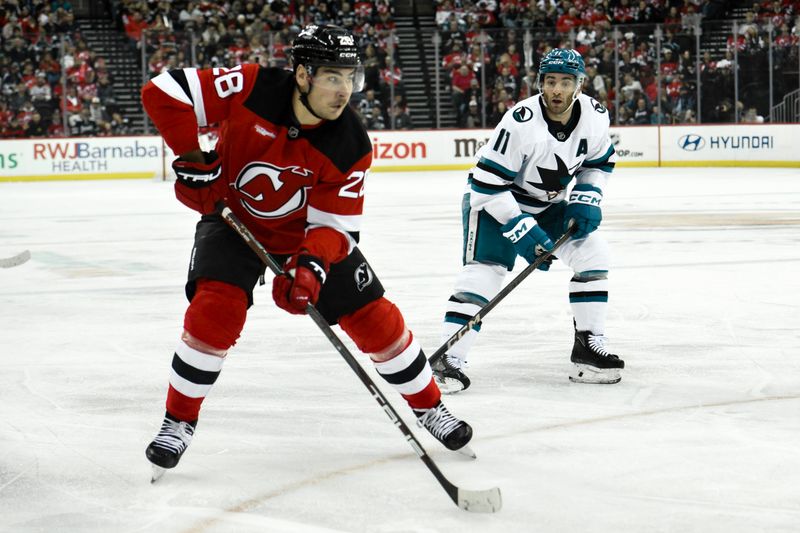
291 162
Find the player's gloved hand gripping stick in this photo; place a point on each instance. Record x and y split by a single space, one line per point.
482 501
541 259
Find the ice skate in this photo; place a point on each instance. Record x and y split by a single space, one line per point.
168 446
448 374
449 430
592 362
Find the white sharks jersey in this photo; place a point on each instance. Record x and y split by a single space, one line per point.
528 162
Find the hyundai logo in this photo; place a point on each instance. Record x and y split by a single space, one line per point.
691 142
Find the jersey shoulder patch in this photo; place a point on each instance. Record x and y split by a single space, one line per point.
522 113
600 108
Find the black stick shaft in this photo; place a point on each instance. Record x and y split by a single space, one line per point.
479 316
315 315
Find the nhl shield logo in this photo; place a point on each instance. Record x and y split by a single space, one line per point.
363 276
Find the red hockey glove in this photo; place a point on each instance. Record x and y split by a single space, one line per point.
195 184
300 283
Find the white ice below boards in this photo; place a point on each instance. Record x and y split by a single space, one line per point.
701 435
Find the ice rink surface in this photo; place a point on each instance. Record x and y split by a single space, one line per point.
702 434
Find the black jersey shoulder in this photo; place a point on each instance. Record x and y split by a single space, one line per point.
343 141
271 97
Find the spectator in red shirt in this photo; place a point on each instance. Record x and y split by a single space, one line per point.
568 21
134 27
461 85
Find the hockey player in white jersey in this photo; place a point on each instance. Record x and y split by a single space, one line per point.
518 202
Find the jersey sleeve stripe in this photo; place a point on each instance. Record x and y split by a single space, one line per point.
486 188
170 86
196 93
524 199
180 76
498 170
594 163
602 163
332 220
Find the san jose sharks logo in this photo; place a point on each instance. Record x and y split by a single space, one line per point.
554 180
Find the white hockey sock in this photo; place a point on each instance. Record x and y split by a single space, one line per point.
589 302
459 313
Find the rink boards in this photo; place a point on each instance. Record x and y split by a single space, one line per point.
147 157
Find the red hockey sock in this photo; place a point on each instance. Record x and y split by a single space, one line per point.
379 330
213 322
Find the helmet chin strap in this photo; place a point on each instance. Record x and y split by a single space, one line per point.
574 94
304 99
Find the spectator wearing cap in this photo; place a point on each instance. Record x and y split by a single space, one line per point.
473 117
97 111
670 63
41 93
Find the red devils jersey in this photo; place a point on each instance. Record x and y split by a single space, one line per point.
280 178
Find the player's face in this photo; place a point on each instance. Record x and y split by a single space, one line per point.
332 88
557 91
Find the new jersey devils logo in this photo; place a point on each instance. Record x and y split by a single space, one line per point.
269 191
363 276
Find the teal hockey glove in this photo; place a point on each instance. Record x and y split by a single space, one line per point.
583 210
528 238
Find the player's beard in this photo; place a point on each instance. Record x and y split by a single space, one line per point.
557 104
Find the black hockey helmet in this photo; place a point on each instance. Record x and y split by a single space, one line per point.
325 45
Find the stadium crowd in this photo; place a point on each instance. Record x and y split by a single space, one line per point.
485 78
51 83
588 26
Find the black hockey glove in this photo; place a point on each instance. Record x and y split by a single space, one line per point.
195 182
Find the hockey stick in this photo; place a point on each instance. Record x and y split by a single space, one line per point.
481 501
475 320
15 260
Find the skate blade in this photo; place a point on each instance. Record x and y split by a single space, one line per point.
466 451
589 374
449 385
157 473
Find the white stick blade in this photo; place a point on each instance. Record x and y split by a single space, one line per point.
480 501
15 260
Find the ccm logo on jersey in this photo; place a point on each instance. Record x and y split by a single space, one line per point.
268 191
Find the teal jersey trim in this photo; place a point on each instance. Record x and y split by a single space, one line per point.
602 159
601 163
462 321
587 299
498 170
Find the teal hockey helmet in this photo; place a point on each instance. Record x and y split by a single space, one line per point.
563 61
